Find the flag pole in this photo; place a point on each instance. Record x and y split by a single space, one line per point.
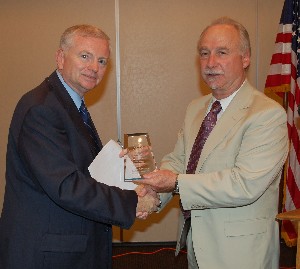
281 184
117 25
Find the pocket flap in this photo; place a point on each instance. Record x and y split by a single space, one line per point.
245 227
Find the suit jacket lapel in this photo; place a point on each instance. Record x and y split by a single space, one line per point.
67 102
236 110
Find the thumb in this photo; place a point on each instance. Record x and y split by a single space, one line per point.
141 190
148 175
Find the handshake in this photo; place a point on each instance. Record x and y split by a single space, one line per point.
161 181
148 201
151 183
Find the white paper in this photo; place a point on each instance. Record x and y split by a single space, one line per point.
108 167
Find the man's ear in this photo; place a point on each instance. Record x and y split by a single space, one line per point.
60 59
246 59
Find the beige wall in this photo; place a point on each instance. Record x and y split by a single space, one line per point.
159 72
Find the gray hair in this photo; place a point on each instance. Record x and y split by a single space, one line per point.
84 30
244 36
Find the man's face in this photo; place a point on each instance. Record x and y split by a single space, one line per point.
221 60
83 65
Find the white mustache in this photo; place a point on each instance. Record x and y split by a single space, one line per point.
213 72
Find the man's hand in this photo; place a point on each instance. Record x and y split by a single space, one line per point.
123 153
142 190
160 180
148 201
146 205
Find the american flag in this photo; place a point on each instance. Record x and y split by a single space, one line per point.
284 79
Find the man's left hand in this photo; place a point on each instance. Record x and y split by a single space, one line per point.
160 180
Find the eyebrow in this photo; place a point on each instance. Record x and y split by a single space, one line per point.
223 48
218 48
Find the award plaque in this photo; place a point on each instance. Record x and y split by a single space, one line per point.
140 158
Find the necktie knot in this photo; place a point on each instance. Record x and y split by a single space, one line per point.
216 107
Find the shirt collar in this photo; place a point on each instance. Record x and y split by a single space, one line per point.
226 101
74 95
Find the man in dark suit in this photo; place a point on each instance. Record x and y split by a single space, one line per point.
55 215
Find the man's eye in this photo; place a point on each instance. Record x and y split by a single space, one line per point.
203 54
103 61
84 56
222 52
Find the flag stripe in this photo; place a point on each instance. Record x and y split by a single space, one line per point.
284 37
272 80
283 48
279 59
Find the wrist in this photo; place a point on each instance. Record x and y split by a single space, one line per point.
160 202
176 187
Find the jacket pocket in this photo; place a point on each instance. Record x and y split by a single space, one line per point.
245 227
64 243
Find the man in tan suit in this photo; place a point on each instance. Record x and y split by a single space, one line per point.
230 197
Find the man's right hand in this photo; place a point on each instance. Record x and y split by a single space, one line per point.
148 201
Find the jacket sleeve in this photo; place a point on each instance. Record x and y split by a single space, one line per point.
57 159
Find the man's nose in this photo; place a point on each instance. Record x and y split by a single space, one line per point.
94 66
211 60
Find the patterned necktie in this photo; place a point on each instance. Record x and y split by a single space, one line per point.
207 125
89 125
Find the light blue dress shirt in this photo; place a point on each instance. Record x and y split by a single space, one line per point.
74 95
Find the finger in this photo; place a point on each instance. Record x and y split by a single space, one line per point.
139 188
144 181
148 175
123 153
142 215
145 216
139 214
142 192
151 191
154 208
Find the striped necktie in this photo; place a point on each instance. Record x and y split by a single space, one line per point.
89 125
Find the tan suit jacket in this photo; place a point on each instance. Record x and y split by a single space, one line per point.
233 197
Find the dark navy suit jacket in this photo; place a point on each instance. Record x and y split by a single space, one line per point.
55 215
